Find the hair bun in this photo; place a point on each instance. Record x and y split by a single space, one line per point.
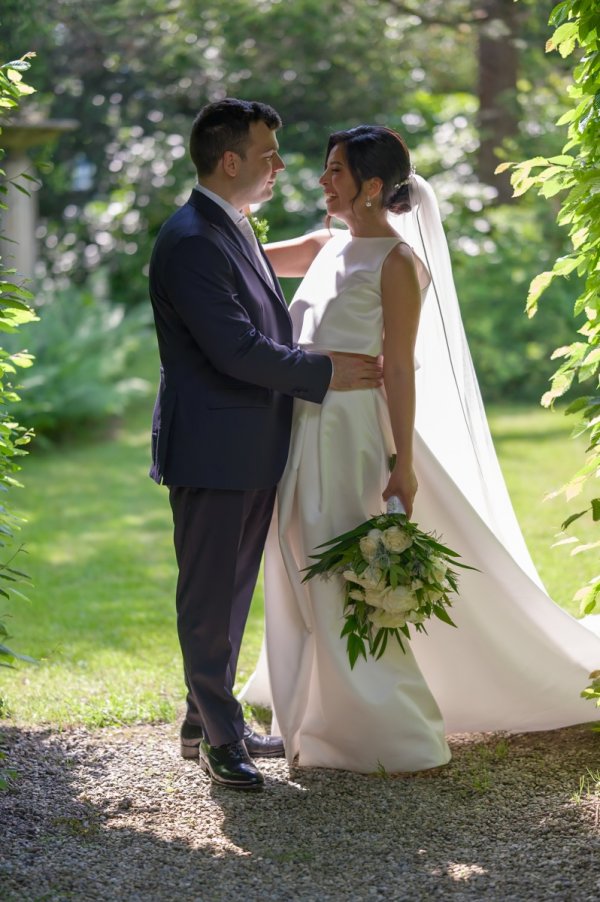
399 201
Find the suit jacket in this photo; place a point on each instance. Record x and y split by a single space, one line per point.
229 370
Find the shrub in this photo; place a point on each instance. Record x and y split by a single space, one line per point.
82 348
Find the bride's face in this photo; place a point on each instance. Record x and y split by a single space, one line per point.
338 184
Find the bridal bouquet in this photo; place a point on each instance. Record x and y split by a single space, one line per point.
395 576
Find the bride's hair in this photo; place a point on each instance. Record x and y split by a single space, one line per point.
373 151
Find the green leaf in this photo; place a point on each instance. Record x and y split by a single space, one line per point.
572 519
349 627
596 509
442 614
356 648
537 287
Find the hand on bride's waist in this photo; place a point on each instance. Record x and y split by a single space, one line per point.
352 372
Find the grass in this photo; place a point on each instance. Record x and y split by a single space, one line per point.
101 615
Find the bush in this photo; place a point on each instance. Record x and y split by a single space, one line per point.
495 255
82 347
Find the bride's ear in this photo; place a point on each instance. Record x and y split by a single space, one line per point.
373 188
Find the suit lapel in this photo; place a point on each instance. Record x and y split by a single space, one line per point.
220 221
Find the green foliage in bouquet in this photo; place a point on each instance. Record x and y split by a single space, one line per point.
395 576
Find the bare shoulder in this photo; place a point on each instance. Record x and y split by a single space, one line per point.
401 259
399 268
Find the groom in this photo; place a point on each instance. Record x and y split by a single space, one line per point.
221 425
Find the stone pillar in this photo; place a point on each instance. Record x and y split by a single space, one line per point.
18 244
18 223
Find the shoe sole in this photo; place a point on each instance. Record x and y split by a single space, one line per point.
244 787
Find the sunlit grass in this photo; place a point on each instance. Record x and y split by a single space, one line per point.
538 457
101 616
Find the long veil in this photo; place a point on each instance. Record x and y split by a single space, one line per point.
450 415
517 661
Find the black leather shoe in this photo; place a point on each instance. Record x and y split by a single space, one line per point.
230 765
260 746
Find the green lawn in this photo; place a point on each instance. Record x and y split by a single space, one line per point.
101 616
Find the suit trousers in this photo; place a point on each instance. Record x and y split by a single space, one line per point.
219 537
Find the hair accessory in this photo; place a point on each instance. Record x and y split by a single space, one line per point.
405 181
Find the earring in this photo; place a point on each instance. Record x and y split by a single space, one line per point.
368 202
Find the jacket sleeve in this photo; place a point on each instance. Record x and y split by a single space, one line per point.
202 290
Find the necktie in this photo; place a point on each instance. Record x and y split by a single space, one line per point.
247 231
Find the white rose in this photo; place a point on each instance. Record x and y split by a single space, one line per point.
399 600
438 569
381 618
433 595
369 546
369 578
416 584
396 540
415 617
376 597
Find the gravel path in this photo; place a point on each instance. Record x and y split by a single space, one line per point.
116 814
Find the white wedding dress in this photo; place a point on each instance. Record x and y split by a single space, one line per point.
516 662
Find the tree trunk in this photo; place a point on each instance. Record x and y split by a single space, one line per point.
498 60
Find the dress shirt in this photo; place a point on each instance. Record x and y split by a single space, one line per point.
243 224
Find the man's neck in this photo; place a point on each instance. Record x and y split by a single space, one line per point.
217 187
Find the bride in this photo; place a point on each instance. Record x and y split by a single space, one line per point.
517 661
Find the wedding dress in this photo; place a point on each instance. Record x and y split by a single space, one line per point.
517 661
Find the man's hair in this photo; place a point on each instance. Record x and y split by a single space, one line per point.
225 125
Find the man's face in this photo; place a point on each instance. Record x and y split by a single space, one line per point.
257 172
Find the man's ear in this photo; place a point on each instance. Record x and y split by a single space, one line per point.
230 162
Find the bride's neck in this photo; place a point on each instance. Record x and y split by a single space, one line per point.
371 224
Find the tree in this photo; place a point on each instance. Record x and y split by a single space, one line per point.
135 72
576 171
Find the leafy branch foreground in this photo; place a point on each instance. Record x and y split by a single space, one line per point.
576 171
14 313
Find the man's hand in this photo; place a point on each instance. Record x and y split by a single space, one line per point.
355 371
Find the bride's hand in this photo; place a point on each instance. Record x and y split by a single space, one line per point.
403 484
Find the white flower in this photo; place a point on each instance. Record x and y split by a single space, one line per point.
399 600
356 595
432 595
369 579
369 544
416 584
396 540
381 618
415 617
394 601
438 568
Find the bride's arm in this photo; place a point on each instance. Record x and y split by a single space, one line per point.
293 257
401 300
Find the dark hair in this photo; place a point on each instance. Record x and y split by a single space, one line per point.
225 125
373 151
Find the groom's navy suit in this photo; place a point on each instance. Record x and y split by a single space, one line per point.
220 435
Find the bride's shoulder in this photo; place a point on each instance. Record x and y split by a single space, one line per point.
402 259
